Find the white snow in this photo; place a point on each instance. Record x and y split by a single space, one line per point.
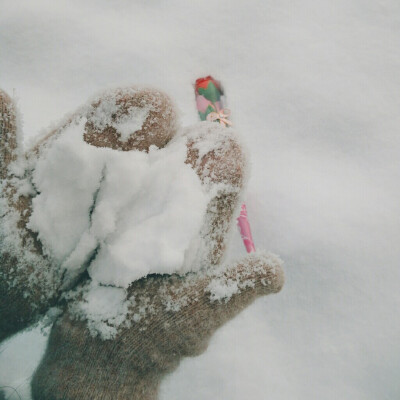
139 211
314 87
222 290
131 122
104 308
126 125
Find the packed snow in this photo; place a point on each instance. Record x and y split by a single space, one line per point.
139 212
314 87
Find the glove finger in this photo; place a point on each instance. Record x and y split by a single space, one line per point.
131 118
217 156
26 281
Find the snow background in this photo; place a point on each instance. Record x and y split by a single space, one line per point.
314 88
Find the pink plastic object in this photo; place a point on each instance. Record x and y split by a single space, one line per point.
209 95
245 231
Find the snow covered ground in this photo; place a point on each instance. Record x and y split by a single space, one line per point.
314 88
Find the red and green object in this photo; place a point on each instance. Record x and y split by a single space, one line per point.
209 102
209 95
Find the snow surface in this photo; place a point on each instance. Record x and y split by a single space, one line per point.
314 86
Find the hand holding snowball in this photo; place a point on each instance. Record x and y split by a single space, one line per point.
122 218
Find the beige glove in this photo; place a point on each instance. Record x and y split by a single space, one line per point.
170 316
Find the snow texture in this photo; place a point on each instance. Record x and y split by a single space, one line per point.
105 308
222 288
127 124
135 212
314 86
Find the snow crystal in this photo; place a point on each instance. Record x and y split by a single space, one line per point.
222 289
126 124
104 308
132 122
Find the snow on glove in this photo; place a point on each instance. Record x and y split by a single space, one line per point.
170 316
31 278
28 283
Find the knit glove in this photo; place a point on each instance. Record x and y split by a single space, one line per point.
166 317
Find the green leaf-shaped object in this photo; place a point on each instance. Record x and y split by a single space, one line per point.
203 115
211 93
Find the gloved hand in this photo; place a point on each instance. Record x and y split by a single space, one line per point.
167 317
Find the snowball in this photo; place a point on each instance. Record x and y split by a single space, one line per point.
128 214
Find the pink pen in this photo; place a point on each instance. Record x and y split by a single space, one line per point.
209 102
